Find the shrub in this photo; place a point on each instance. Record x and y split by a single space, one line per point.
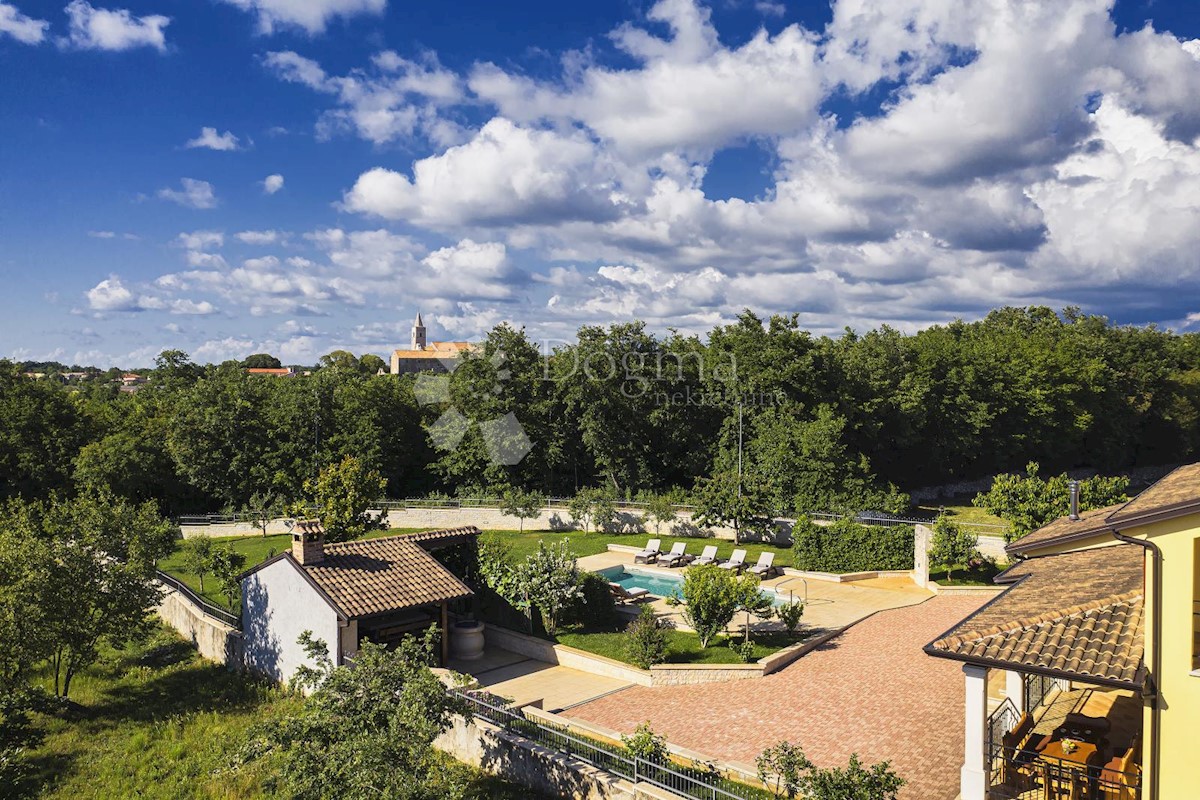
646 642
789 614
744 649
594 608
644 743
1028 502
846 546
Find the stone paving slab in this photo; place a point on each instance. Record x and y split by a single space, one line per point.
524 680
871 690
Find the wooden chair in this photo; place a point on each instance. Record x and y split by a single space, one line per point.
1119 772
1018 755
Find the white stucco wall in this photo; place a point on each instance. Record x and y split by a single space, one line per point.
278 604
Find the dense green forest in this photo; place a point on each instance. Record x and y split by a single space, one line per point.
821 419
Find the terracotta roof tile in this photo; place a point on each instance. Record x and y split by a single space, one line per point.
1094 521
1078 613
1180 487
374 576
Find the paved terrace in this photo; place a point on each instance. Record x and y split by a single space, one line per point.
870 690
830 605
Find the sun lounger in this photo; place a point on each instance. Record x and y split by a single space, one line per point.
765 566
737 562
623 595
708 556
676 557
651 553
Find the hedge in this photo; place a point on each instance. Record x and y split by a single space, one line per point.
846 546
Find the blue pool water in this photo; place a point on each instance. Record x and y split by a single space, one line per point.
657 585
663 585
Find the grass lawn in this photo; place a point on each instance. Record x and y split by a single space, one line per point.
157 721
259 548
586 544
683 647
963 577
959 509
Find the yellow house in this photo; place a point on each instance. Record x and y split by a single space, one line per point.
1083 677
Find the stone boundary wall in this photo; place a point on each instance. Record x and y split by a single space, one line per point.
1137 477
488 747
212 637
490 519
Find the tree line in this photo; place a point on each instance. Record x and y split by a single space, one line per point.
758 414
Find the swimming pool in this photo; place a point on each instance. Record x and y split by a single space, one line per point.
665 584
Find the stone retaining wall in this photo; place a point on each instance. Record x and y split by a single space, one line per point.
490 519
486 746
213 638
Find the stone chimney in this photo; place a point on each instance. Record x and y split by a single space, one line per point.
1074 488
308 542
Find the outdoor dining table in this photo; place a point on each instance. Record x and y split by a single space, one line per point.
1052 755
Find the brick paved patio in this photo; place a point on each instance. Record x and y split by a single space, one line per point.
871 690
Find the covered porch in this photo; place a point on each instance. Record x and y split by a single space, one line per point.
1056 739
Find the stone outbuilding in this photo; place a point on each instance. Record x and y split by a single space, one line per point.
344 593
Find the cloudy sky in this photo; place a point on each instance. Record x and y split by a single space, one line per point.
231 176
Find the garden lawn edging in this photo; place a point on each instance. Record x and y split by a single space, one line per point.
659 674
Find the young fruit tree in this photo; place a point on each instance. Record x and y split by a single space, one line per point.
522 505
952 546
712 596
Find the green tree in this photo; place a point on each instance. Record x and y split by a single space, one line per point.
522 504
262 508
41 431
782 767
549 581
261 361
582 508
712 597
227 566
95 574
1028 502
343 494
790 615
196 557
661 510
725 500
370 364
952 546
366 731
645 640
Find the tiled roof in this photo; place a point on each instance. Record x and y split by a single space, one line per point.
375 576
435 350
1094 521
1178 492
447 535
1078 613
1180 487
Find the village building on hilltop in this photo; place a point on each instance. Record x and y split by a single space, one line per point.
423 356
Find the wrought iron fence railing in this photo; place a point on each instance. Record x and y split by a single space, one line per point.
706 783
1023 770
206 606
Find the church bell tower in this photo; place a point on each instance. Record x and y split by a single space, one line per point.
418 334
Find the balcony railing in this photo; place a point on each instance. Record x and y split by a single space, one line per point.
1025 773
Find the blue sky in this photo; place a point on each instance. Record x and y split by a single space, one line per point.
553 164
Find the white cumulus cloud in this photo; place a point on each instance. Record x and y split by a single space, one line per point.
310 15
113 29
24 29
192 194
211 140
272 183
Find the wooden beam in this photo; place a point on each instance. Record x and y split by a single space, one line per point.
445 633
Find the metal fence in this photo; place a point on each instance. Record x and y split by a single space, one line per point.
705 783
212 610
